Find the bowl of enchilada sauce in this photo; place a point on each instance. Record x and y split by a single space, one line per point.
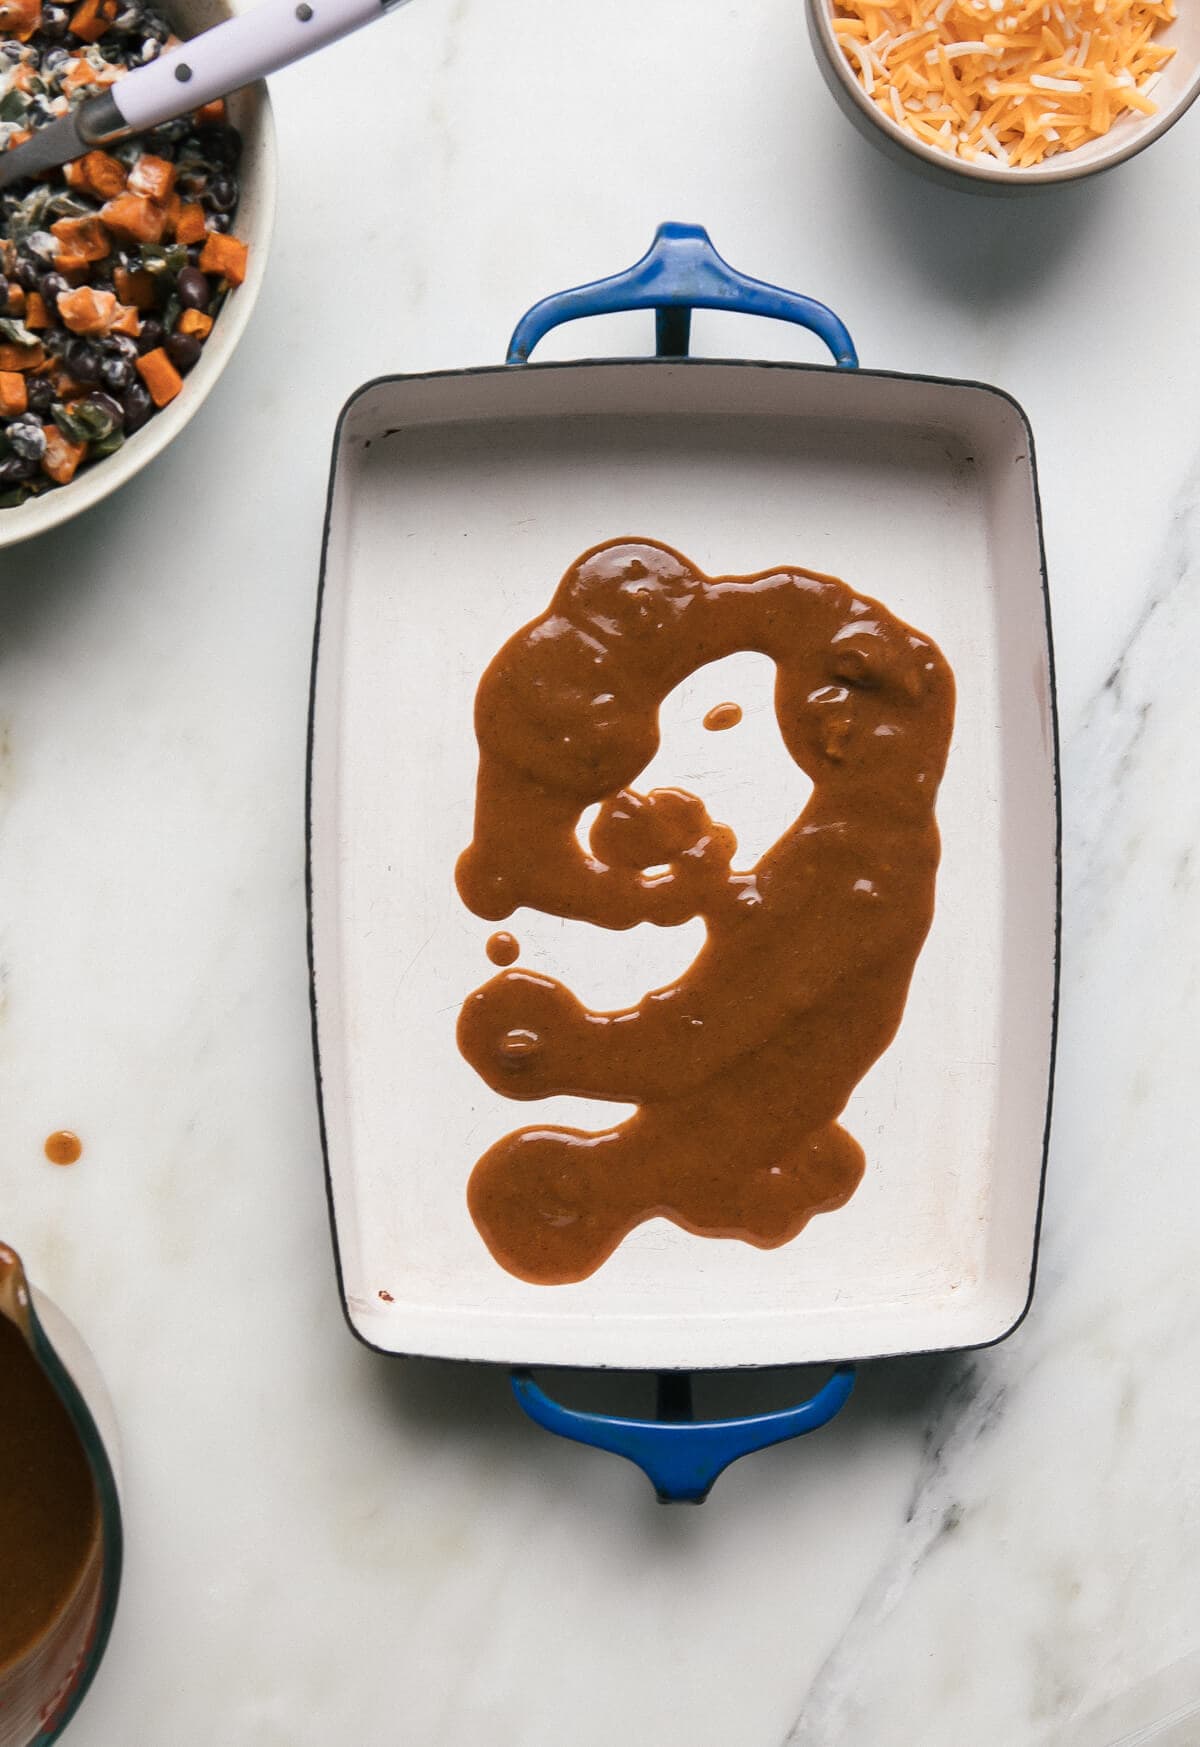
56 1554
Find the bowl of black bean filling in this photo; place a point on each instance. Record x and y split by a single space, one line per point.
127 277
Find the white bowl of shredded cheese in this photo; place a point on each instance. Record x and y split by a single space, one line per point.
1010 94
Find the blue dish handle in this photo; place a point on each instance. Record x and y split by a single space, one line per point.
682 1457
680 272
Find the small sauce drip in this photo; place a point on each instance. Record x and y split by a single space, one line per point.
740 1069
503 948
63 1148
386 1296
49 1511
723 716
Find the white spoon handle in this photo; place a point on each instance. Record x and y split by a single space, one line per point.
233 54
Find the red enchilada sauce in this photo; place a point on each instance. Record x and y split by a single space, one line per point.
741 1067
49 1512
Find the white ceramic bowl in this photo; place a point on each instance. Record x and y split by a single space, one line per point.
250 112
1175 92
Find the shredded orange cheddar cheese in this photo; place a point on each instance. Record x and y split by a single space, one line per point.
1001 81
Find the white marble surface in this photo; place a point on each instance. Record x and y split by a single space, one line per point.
992 1551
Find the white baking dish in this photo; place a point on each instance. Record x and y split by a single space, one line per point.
456 502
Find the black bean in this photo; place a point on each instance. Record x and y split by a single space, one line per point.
101 283
221 194
116 373
26 272
40 393
27 438
150 50
32 56
193 288
54 25
218 221
191 182
51 286
11 49
137 406
150 336
183 350
82 360
220 143
14 468
120 346
106 404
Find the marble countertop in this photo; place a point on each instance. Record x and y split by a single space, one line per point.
996 1550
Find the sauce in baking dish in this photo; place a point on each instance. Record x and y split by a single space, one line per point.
740 1069
49 1512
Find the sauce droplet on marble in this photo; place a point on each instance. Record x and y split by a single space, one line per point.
63 1148
723 716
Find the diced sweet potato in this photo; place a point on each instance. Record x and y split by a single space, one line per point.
189 224
20 18
16 300
81 73
90 20
172 206
133 217
83 239
86 311
126 322
36 314
209 112
152 177
23 358
62 456
14 396
194 321
224 255
160 376
97 173
137 289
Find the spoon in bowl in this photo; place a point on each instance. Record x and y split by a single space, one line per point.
210 65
